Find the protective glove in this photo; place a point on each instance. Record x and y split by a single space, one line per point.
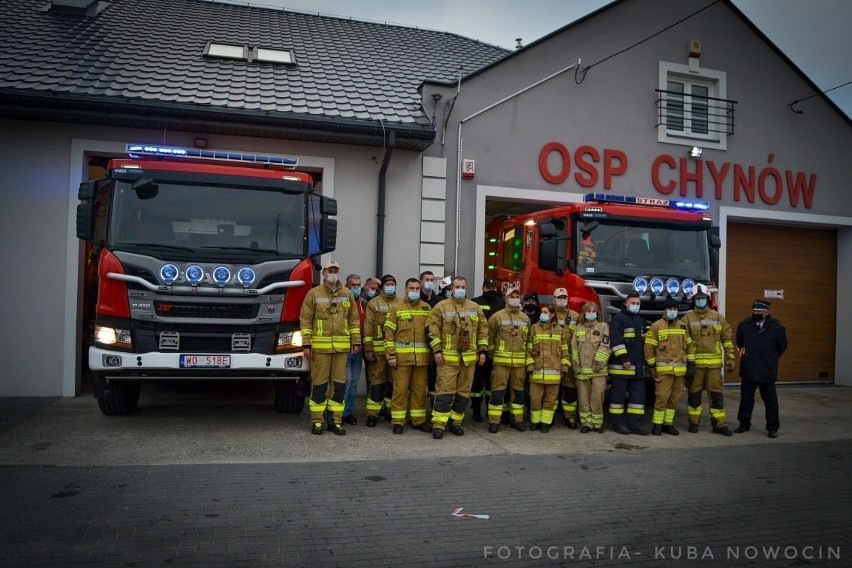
729 366
690 374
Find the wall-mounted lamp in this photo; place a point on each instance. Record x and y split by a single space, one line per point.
200 142
695 152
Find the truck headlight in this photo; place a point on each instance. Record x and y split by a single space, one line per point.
114 337
289 339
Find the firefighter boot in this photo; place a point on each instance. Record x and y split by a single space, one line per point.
476 406
657 430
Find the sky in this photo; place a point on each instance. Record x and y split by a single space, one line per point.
814 34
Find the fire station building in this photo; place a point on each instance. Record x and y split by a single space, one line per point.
423 137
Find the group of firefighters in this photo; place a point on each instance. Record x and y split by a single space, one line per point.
524 357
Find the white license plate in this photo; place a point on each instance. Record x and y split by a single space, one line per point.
205 361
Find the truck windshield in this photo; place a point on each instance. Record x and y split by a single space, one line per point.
200 218
622 250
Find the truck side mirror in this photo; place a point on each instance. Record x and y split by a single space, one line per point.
87 189
328 234
86 221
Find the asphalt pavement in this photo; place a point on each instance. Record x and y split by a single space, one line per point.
214 477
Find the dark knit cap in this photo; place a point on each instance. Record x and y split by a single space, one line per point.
671 303
388 278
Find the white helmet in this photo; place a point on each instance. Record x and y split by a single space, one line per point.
701 289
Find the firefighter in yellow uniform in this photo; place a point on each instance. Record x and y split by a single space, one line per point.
458 336
668 350
548 357
379 380
590 352
567 318
330 329
507 339
714 346
408 355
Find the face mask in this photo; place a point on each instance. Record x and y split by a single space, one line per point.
331 278
561 303
671 314
591 316
356 291
448 293
371 293
757 317
544 318
702 303
459 293
414 296
428 286
633 308
529 308
514 303
390 290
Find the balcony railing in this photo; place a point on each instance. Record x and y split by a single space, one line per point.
695 116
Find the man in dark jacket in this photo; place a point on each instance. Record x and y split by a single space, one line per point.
491 302
761 340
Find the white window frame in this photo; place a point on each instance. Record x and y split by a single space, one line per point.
715 81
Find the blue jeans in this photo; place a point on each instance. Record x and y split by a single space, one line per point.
354 364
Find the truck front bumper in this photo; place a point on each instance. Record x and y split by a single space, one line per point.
153 365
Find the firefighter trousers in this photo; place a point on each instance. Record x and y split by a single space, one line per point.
379 386
543 401
504 378
590 393
568 396
709 379
328 386
627 397
409 394
667 392
452 393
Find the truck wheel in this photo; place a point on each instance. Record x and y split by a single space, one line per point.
288 398
119 397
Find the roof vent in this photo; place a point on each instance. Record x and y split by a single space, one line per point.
88 8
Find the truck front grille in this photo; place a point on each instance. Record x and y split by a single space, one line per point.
206 310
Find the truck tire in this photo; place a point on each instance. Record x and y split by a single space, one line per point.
289 398
119 397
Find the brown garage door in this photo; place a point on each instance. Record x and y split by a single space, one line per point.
803 263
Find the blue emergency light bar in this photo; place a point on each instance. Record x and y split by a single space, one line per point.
652 201
180 152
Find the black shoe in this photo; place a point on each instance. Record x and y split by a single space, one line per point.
671 430
521 427
693 428
477 412
337 429
372 421
640 430
437 434
456 430
423 428
570 423
585 429
493 428
621 429
724 430
657 430
545 428
743 428
772 433
535 426
350 419
598 429
397 429
317 428
506 418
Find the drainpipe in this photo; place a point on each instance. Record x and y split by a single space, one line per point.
380 214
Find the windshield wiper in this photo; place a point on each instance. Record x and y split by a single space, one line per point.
156 245
606 275
270 251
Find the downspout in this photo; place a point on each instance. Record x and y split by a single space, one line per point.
459 151
380 214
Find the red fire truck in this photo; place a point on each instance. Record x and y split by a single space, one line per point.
605 248
199 262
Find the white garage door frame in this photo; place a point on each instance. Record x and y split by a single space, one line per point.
843 325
